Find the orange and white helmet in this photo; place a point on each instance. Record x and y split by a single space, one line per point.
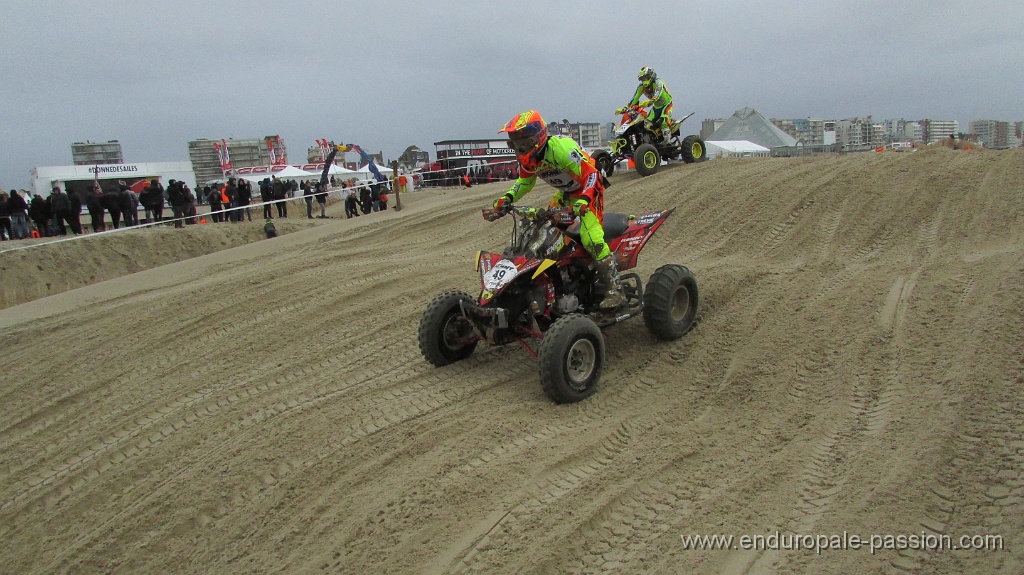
527 132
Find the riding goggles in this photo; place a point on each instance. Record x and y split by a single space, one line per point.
525 145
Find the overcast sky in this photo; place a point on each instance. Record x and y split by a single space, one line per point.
390 74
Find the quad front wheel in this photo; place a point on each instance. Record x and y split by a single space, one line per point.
647 159
571 359
445 335
670 302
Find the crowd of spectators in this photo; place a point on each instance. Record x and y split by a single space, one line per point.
23 215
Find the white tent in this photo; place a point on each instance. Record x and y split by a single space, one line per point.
735 148
382 169
336 170
291 173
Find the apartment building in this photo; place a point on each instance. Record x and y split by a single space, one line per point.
806 131
934 130
243 153
91 153
857 134
996 134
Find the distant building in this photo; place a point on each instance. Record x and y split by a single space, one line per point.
995 134
934 130
748 124
806 131
859 134
710 126
242 153
589 135
607 133
92 153
413 158
317 154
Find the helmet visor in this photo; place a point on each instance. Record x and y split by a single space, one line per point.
523 144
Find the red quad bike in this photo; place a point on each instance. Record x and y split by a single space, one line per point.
542 288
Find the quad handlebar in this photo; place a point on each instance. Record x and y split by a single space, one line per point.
562 216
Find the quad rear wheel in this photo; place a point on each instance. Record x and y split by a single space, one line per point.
694 150
670 302
571 359
604 162
445 335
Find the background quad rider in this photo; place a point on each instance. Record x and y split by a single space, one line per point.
658 98
560 162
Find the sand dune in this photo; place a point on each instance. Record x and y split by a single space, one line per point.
857 367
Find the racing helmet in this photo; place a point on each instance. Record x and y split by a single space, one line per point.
647 76
527 132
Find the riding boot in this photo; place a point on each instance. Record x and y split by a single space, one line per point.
608 282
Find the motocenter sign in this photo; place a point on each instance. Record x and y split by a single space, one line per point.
466 153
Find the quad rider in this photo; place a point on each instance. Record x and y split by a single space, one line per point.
560 162
657 97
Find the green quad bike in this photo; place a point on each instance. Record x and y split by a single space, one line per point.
635 139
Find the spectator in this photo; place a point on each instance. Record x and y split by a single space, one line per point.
6 231
177 199
280 193
321 199
111 201
244 199
232 192
152 195
129 204
375 196
40 214
351 209
266 196
19 215
94 204
213 197
384 199
60 206
307 195
160 198
365 200
76 211
189 209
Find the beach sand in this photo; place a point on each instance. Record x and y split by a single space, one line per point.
210 401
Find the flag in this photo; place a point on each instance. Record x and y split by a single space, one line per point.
227 154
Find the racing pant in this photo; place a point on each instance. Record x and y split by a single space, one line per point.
592 235
658 118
